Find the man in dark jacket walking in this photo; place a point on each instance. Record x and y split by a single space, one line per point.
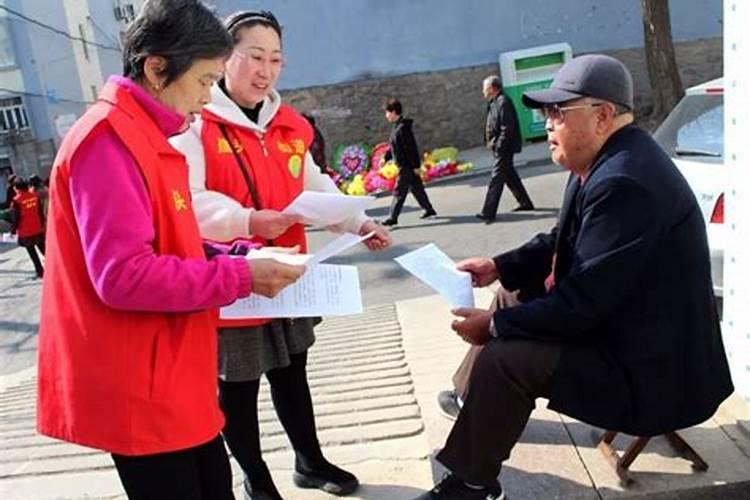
502 136
405 153
621 330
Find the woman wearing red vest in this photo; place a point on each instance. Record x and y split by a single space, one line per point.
249 158
28 222
127 342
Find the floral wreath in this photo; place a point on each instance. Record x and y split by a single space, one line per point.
351 160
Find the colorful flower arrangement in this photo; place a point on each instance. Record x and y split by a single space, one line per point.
353 177
351 160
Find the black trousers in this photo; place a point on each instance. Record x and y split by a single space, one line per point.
508 376
408 181
199 473
290 393
504 173
32 244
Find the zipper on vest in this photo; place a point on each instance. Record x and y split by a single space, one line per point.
263 145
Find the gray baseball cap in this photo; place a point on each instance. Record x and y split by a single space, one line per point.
591 75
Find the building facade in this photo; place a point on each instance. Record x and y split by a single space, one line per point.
343 57
55 55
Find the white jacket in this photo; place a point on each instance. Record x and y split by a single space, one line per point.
220 217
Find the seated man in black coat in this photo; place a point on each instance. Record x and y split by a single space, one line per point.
626 336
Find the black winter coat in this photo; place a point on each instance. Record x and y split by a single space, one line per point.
404 150
502 134
632 303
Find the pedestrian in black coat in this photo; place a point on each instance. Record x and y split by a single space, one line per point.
405 154
502 136
627 335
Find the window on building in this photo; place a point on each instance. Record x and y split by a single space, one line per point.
7 58
13 114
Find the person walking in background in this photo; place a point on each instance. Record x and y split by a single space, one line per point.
127 339
502 136
28 222
318 146
249 159
405 154
40 189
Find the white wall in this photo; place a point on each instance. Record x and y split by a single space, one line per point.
334 41
737 197
87 58
10 75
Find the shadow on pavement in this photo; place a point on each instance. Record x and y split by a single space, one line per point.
443 220
519 484
18 326
392 492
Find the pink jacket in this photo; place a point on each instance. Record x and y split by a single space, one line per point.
113 214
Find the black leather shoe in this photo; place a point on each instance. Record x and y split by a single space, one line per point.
453 488
485 218
523 208
448 403
326 477
427 214
260 494
389 222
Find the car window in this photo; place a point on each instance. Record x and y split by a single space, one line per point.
695 129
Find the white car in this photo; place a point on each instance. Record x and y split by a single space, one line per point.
693 135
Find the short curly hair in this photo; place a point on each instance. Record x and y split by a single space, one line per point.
180 31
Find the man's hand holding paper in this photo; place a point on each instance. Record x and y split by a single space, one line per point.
482 269
474 328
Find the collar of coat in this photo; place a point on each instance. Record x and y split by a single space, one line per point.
222 106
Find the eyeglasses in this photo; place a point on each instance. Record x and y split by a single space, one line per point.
257 56
556 113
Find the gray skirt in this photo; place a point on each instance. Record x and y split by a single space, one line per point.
246 353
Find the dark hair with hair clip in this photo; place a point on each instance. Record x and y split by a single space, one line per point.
180 31
239 20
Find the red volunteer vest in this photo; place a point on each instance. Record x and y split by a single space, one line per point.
127 382
274 164
30 219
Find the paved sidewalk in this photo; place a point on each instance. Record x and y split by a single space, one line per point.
374 379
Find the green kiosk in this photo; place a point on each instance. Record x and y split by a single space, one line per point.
531 69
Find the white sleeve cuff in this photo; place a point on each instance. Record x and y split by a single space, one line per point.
493 330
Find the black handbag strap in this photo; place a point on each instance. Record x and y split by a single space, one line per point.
245 173
243 169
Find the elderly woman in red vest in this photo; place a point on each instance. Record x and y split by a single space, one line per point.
28 222
249 158
127 348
